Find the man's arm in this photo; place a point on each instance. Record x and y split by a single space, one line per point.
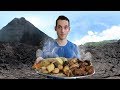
46 52
38 60
39 56
39 53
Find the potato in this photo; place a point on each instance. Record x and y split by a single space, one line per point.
56 70
45 71
66 68
59 60
56 64
44 63
59 74
36 66
50 59
60 67
43 68
50 67
65 63
63 59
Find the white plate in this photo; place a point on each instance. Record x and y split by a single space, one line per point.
61 77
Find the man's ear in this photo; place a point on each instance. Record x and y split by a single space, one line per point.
55 28
69 29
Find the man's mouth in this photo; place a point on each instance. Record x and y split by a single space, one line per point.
62 34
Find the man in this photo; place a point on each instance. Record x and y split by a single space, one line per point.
60 47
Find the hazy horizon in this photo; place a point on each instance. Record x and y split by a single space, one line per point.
86 26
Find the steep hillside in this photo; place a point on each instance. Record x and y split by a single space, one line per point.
21 30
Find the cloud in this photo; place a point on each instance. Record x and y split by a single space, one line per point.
108 34
38 21
102 24
44 24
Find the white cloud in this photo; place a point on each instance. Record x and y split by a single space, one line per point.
102 24
90 33
108 34
40 22
46 25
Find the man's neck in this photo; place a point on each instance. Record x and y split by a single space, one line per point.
61 42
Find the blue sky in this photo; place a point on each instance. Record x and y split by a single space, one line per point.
86 26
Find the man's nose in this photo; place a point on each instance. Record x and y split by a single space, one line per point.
62 30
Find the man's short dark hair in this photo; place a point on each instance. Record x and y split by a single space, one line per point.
62 18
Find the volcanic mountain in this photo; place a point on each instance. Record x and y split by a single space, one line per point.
21 30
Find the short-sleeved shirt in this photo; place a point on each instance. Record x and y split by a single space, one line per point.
52 49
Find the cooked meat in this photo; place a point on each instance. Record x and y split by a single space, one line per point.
90 69
79 72
74 65
69 67
88 62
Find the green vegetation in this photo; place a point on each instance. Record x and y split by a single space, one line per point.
101 43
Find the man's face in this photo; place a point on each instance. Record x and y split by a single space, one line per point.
62 29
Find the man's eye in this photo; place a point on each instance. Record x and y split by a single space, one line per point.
59 27
66 27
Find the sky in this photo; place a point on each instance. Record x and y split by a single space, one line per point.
85 26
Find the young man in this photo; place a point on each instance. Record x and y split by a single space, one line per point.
60 47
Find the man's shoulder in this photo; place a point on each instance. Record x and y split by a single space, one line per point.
49 42
71 43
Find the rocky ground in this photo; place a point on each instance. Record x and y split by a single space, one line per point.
16 61
106 60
